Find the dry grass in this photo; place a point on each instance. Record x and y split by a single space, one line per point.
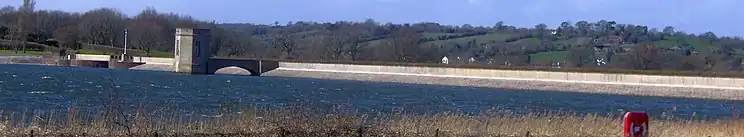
301 122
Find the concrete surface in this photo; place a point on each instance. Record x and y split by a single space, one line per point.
566 77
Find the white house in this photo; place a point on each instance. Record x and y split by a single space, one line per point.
445 60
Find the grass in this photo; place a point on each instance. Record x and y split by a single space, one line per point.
550 56
89 51
161 54
27 52
527 41
436 35
32 48
574 41
480 39
698 44
303 122
109 50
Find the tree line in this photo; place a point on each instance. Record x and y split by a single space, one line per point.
580 44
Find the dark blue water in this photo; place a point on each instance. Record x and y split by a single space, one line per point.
28 87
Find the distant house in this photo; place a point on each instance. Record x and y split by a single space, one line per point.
445 60
602 48
459 60
600 62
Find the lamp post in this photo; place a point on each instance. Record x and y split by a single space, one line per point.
125 41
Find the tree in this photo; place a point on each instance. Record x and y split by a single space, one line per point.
540 31
403 45
500 26
709 36
336 43
669 30
7 15
566 29
67 36
285 43
644 57
145 35
580 56
102 26
355 49
25 12
583 28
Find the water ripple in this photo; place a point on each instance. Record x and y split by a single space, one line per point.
91 88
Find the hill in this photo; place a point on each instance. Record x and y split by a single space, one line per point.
581 44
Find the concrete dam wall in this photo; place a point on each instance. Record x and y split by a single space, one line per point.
544 76
570 77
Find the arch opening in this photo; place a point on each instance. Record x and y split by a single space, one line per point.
235 70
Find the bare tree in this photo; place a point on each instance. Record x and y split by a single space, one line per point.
285 43
355 50
316 48
403 45
145 35
335 44
67 36
643 57
7 15
102 26
580 57
25 12
7 22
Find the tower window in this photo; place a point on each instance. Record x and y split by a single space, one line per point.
178 47
197 47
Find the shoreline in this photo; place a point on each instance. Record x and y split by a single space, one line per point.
615 89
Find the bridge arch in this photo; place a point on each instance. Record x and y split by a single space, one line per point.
235 70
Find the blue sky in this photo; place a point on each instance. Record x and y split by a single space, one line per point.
697 16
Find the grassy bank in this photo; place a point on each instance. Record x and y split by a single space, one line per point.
301 122
11 52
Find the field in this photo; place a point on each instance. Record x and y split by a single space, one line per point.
698 44
436 35
109 50
27 52
549 56
480 39
303 122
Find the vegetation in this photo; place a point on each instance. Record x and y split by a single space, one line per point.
29 52
600 45
303 122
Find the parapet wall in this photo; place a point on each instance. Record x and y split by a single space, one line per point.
154 60
597 78
147 60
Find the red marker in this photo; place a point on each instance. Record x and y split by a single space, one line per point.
635 124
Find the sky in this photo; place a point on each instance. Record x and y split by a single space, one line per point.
722 17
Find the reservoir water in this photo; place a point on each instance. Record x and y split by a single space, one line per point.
30 88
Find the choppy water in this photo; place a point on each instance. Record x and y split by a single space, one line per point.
28 87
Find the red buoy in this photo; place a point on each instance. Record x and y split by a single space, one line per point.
635 124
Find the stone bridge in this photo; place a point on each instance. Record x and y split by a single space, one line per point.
256 67
193 55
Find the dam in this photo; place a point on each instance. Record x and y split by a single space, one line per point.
192 58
